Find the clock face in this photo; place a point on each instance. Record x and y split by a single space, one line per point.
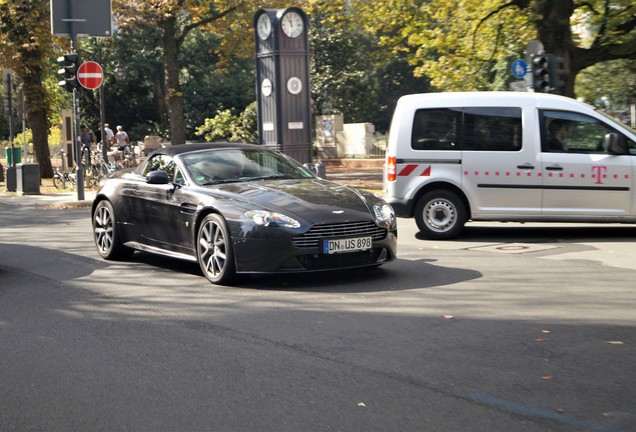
292 24
264 26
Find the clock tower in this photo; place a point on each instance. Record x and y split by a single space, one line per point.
282 81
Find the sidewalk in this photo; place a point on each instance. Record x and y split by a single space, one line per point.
47 199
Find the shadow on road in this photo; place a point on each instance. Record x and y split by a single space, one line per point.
395 276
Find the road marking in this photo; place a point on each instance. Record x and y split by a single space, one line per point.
538 412
514 248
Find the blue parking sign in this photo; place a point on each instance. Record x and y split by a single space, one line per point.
519 68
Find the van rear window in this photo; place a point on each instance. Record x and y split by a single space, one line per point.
474 128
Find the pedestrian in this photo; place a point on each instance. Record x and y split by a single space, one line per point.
121 139
85 137
86 141
109 135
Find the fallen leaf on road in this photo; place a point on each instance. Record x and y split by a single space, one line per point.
361 404
546 377
448 317
615 342
541 340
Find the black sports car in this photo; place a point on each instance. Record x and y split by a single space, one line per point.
240 208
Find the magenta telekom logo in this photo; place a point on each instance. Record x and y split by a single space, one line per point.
600 172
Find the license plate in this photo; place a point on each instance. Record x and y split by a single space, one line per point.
346 245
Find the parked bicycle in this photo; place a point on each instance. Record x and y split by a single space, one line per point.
98 168
62 177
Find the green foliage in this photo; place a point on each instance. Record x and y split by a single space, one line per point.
615 81
206 86
461 44
226 126
343 76
132 89
351 75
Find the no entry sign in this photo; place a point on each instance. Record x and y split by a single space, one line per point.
90 75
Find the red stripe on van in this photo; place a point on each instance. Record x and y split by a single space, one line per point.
427 172
407 170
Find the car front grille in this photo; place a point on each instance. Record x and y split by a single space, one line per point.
320 232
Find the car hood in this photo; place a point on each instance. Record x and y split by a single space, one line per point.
311 199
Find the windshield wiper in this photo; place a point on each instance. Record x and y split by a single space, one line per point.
273 177
221 181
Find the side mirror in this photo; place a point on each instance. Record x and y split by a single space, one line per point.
157 177
614 144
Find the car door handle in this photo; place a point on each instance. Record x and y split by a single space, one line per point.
554 168
526 166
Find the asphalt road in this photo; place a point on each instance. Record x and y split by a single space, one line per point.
509 328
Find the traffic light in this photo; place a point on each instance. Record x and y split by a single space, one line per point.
540 73
70 64
555 69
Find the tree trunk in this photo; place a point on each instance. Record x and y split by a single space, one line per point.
174 92
553 28
37 117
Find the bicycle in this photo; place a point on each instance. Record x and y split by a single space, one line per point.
61 178
98 169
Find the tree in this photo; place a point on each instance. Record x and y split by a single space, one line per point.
458 43
614 81
133 87
208 88
26 45
350 74
343 76
174 19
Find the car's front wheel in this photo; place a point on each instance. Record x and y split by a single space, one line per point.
440 214
105 233
214 250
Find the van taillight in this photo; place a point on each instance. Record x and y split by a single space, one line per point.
391 168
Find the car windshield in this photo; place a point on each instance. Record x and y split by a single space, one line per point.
236 165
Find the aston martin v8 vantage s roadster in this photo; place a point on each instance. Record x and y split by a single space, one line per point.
240 209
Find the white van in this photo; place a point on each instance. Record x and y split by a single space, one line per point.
507 156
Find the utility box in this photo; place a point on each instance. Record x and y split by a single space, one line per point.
28 179
13 157
10 183
328 131
358 140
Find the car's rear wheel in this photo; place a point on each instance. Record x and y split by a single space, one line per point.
105 233
440 214
214 250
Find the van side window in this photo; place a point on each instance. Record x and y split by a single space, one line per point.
435 129
492 129
563 131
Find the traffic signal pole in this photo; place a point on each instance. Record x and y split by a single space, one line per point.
76 114
11 181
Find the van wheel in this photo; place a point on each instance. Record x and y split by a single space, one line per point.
440 214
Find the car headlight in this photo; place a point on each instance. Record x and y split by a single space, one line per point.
268 218
384 214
